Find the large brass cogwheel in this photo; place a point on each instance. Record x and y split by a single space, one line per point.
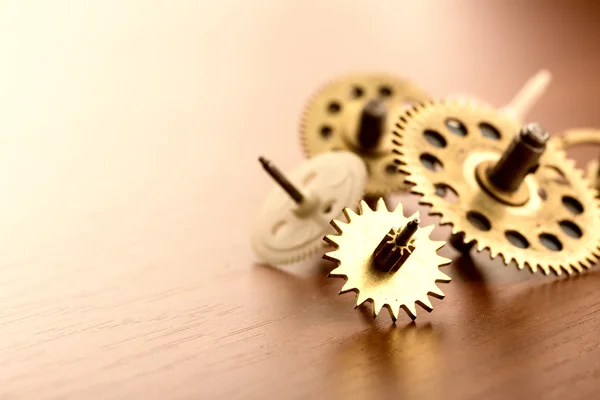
410 272
331 118
440 146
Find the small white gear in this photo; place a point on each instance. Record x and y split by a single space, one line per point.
285 232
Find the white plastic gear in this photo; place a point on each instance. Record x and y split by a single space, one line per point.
331 182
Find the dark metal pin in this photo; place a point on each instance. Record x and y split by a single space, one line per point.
372 124
285 184
520 158
404 236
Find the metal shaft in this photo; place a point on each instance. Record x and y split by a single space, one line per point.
372 124
520 158
407 232
278 176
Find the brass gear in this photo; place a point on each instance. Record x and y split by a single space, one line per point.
441 145
582 136
330 121
393 285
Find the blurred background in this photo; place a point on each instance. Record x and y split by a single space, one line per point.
129 131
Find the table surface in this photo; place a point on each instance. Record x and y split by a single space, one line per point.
129 132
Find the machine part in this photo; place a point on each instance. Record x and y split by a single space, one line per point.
292 222
386 258
448 150
521 103
582 136
354 113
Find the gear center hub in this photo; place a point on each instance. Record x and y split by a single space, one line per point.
504 179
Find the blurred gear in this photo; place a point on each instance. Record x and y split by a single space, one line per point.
521 103
582 136
500 191
387 259
354 114
292 222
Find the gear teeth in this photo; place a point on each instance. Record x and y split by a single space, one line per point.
376 307
350 215
410 309
338 226
360 298
442 277
336 272
347 288
363 207
436 292
394 311
332 256
399 209
426 304
381 206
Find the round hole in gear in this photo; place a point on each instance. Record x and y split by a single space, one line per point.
357 92
550 242
326 131
328 206
572 204
391 169
385 91
489 131
446 192
435 138
431 162
571 229
479 221
334 107
543 194
516 239
278 227
456 127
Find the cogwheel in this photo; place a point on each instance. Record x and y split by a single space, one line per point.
291 223
516 195
352 114
387 259
582 136
522 101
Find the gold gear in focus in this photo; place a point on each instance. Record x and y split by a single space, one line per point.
442 146
394 285
332 116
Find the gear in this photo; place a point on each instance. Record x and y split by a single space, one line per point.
582 136
387 259
290 228
522 101
548 222
351 114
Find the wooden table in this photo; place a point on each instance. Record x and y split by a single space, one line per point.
129 135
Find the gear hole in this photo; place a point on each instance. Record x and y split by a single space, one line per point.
278 228
328 207
456 127
435 138
357 92
479 221
385 91
556 175
572 204
543 194
334 107
571 229
489 131
407 104
551 242
431 162
516 239
326 131
446 192
309 178
391 169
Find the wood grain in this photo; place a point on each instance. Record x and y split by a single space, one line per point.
129 132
